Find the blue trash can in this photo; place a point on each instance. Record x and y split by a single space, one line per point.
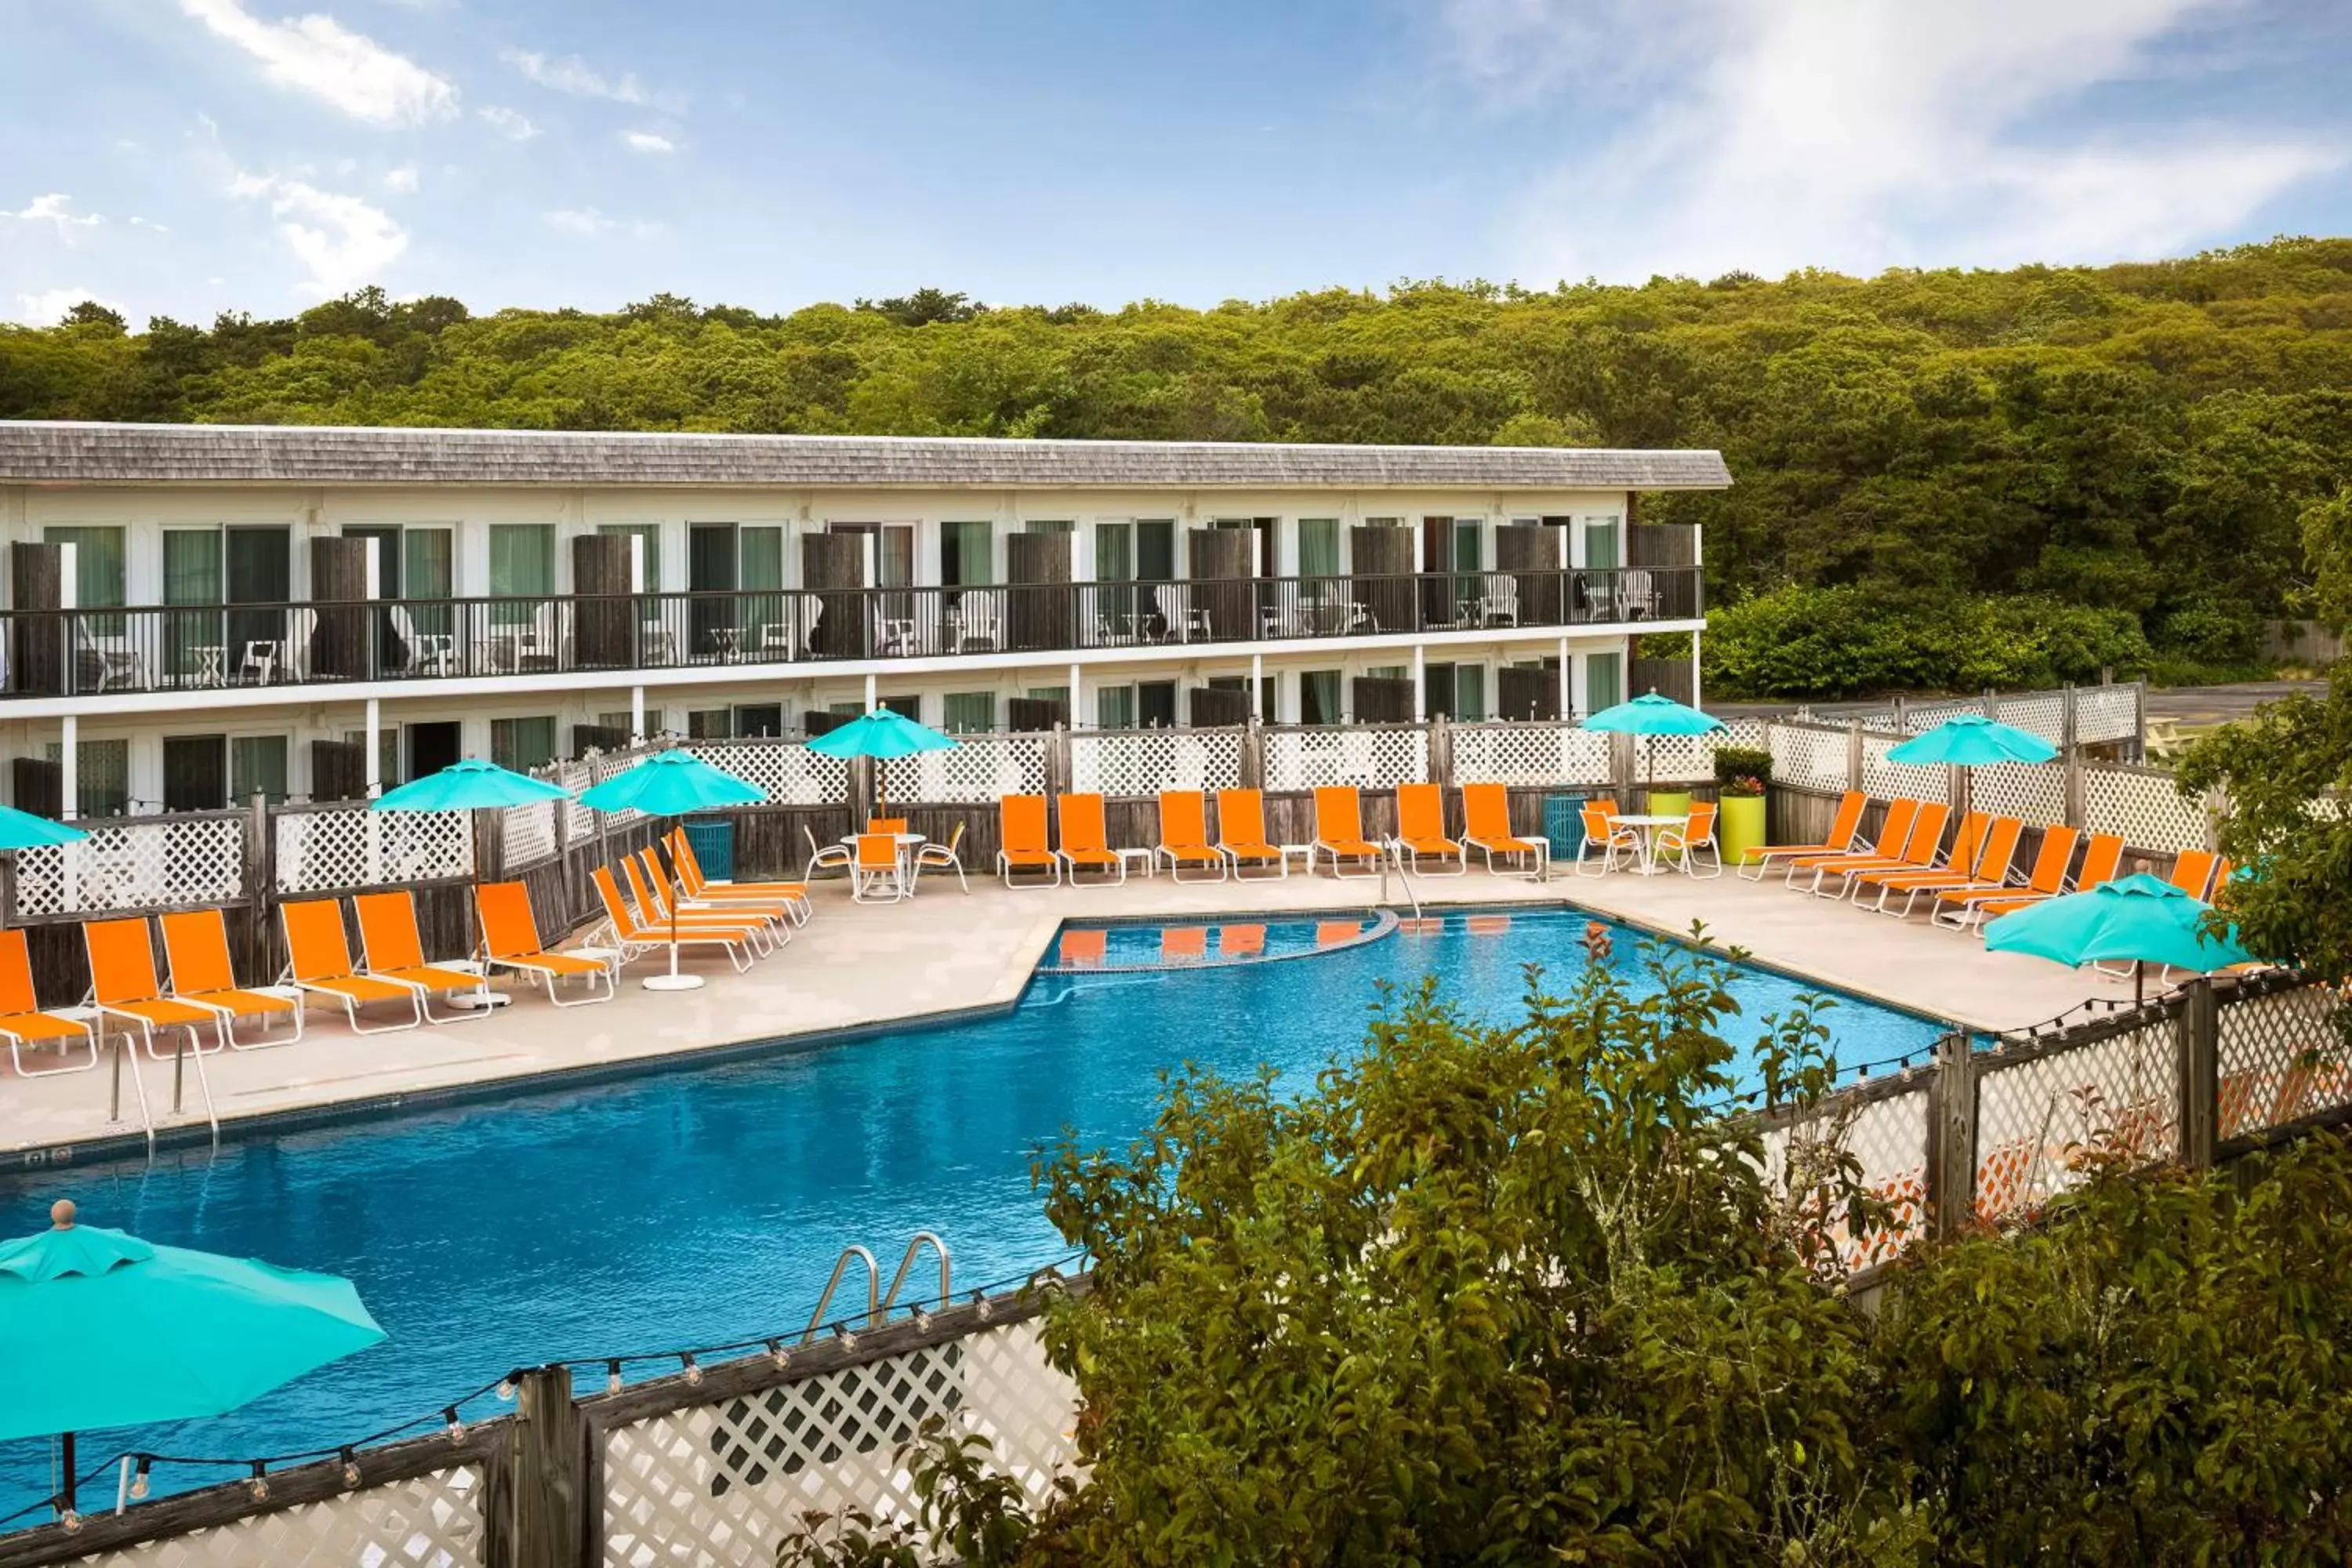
1564 824
713 838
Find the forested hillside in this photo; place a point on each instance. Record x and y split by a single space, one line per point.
2121 453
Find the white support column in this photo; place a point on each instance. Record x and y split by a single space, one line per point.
1567 682
1258 685
871 694
1074 696
1694 691
374 761
636 713
69 750
1420 684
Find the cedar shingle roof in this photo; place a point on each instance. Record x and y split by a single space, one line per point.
61 452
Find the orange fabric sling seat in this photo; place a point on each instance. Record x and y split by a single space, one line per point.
395 950
701 889
2101 860
656 906
1085 838
24 1022
1837 841
123 984
1339 833
636 938
1487 827
1021 841
318 962
1240 832
510 939
196 946
1184 836
1420 829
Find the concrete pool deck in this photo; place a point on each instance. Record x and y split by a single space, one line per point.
944 953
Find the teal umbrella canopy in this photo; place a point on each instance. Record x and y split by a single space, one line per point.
165 1333
880 733
2137 919
470 785
23 830
1651 715
670 784
1973 740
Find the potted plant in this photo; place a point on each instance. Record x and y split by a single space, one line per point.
1741 774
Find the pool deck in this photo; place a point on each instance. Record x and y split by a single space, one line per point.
943 955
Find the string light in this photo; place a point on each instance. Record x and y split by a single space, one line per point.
139 1478
693 1373
776 1353
505 1389
456 1428
350 1469
612 1377
258 1482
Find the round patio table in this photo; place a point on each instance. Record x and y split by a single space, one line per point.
1651 827
908 844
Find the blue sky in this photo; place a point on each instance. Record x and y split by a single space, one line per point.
186 156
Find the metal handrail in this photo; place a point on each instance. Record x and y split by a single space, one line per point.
921 1239
873 1290
1396 853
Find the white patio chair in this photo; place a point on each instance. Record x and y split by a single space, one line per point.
429 653
1183 621
117 661
1286 616
1502 607
981 621
1637 595
948 857
823 855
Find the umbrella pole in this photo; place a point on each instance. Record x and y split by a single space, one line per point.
469 1001
66 1488
672 981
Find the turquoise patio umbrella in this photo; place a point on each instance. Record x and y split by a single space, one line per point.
881 735
101 1329
476 787
670 784
23 830
1973 740
2139 919
1652 715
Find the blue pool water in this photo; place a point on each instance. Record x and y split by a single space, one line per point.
709 1203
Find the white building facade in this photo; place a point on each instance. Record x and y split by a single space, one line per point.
198 613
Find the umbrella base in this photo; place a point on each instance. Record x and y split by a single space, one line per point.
672 982
474 1001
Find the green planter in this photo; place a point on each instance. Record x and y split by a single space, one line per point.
1667 802
1739 826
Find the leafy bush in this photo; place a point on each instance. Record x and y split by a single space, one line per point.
1737 768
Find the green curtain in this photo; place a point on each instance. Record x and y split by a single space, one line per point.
257 764
971 710
522 565
522 744
651 534
966 554
191 577
428 573
1319 697
1601 546
1318 547
1469 692
1114 707
1604 681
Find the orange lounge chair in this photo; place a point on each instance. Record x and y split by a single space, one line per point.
1837 841
1923 852
2102 861
1184 836
1487 828
1241 833
319 964
1695 834
1893 833
701 889
1957 907
657 900
1021 841
1085 842
394 950
510 941
1996 857
1339 833
636 938
1963 856
195 947
1602 831
24 1022
877 872
2192 871
1421 831
123 984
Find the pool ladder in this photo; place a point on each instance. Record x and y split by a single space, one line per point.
879 1302
1396 855
127 1045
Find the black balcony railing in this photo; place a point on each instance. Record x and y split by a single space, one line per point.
174 648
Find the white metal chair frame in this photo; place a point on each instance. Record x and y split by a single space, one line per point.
1687 847
1619 837
824 855
945 857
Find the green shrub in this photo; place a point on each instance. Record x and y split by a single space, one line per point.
1739 766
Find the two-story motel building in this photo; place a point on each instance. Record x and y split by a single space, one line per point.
199 612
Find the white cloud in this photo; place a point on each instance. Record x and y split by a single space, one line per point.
53 209
1857 134
138 222
507 122
341 241
647 141
592 221
403 179
573 75
48 308
317 55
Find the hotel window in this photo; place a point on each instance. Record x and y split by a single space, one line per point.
1604 681
256 765
1601 538
195 774
1319 697
967 555
1155 704
98 573
522 744
522 566
1469 692
1114 707
650 555
204 568
102 776
754 720
1049 525
1318 547
621 723
969 711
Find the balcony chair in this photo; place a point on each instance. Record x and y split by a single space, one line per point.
424 653
1179 622
1637 595
1501 605
979 618
116 660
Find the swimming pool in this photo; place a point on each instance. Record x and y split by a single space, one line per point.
709 1203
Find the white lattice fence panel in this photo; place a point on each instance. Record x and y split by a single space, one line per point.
2106 714
1367 757
721 1483
789 772
573 822
528 835
2042 713
356 848
158 864
1899 781
2283 1055
2034 792
431 1521
2037 1121
1145 762
1888 1137
2142 806
1806 757
1537 753
978 769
